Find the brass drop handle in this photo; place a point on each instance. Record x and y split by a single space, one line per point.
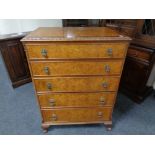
102 101
49 86
107 68
100 114
105 84
54 117
44 53
109 51
52 102
46 70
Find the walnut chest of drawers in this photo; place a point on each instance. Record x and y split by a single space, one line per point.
76 73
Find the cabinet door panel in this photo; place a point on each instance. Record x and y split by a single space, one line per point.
15 61
134 75
16 58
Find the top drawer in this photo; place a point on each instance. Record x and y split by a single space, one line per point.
76 50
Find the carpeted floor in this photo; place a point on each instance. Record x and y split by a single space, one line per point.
19 114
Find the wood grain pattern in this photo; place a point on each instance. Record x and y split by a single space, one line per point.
54 100
63 68
76 84
76 50
66 115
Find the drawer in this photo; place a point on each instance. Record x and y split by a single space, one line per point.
139 53
77 84
75 51
76 99
69 115
62 68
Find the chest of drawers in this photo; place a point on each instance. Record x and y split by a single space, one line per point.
76 73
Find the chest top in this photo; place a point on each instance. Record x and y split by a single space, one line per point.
74 34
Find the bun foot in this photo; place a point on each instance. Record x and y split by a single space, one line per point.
108 127
45 128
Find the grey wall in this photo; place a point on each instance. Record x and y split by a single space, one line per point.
22 25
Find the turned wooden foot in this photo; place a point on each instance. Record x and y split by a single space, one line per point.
45 127
108 127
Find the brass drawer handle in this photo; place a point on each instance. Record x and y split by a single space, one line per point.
102 101
54 117
46 70
105 84
109 51
44 53
100 114
107 68
52 102
49 86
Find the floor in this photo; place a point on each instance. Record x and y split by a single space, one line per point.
19 114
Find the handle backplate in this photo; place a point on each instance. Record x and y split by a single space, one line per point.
110 51
52 102
46 70
105 84
54 117
49 86
107 68
44 53
100 114
102 101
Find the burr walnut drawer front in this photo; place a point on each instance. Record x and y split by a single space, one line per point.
77 84
76 51
68 115
58 68
76 99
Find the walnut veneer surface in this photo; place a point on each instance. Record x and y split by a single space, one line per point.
76 73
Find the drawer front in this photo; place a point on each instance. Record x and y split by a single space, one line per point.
68 115
139 54
76 99
77 84
72 51
62 68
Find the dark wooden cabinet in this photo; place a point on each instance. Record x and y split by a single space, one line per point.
75 22
15 59
124 26
137 69
82 22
